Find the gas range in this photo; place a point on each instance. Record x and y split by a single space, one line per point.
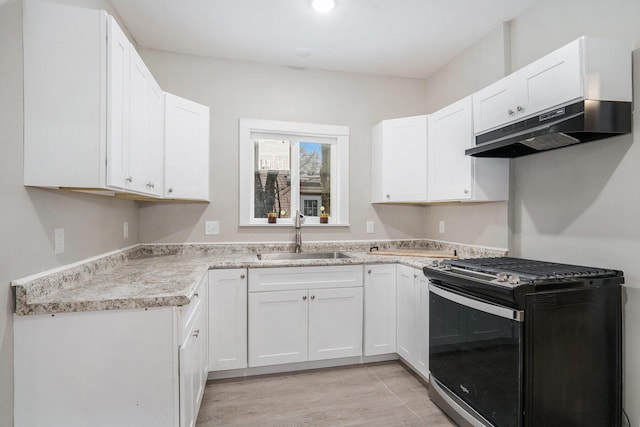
506 280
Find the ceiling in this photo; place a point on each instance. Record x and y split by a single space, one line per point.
403 38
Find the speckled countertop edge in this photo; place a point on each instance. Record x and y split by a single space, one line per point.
156 275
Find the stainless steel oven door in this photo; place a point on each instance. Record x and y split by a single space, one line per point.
475 357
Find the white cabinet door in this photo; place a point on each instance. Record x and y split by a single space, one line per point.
495 105
155 151
450 170
189 379
399 157
186 149
278 327
422 324
552 80
335 323
227 319
405 312
380 309
138 124
118 53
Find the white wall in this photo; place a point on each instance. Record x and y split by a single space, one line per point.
92 224
233 90
579 204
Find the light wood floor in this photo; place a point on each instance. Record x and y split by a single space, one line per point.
382 394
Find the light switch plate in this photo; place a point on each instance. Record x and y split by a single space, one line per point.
59 240
211 228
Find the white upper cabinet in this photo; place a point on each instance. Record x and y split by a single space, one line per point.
399 160
453 176
186 149
94 115
587 68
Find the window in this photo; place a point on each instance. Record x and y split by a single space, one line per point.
286 167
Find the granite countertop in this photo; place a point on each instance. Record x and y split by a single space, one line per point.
147 276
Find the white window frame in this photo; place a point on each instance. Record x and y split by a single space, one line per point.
339 160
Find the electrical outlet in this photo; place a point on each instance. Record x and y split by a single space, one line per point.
441 226
370 227
125 226
211 228
58 234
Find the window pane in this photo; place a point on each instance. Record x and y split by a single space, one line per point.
272 187
315 178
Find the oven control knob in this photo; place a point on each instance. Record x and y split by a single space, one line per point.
435 263
514 280
501 277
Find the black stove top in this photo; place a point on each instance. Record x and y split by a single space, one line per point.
507 280
530 270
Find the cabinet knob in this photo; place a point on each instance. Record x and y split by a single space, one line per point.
388 196
196 295
170 190
313 297
511 112
368 271
196 333
129 179
304 298
242 276
520 108
415 276
466 191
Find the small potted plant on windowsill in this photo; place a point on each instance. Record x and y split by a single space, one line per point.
324 217
271 217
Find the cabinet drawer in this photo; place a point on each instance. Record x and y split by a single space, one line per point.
300 278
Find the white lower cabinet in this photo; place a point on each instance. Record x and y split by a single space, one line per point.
413 318
130 367
227 319
380 309
288 326
278 327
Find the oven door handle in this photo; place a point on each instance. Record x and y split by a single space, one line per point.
507 313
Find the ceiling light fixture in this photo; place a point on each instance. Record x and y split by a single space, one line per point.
323 6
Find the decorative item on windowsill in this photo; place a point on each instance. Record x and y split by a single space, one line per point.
324 217
271 217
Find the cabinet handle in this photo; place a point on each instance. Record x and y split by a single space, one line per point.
304 298
313 297
368 271
170 190
196 295
196 333
129 179
242 276
520 108
511 112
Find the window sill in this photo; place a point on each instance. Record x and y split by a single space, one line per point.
291 225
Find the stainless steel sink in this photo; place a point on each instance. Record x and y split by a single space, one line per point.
279 256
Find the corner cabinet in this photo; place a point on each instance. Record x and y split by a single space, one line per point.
453 176
93 113
399 161
186 174
413 318
143 367
587 68
299 314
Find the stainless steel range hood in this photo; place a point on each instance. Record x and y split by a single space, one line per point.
583 121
